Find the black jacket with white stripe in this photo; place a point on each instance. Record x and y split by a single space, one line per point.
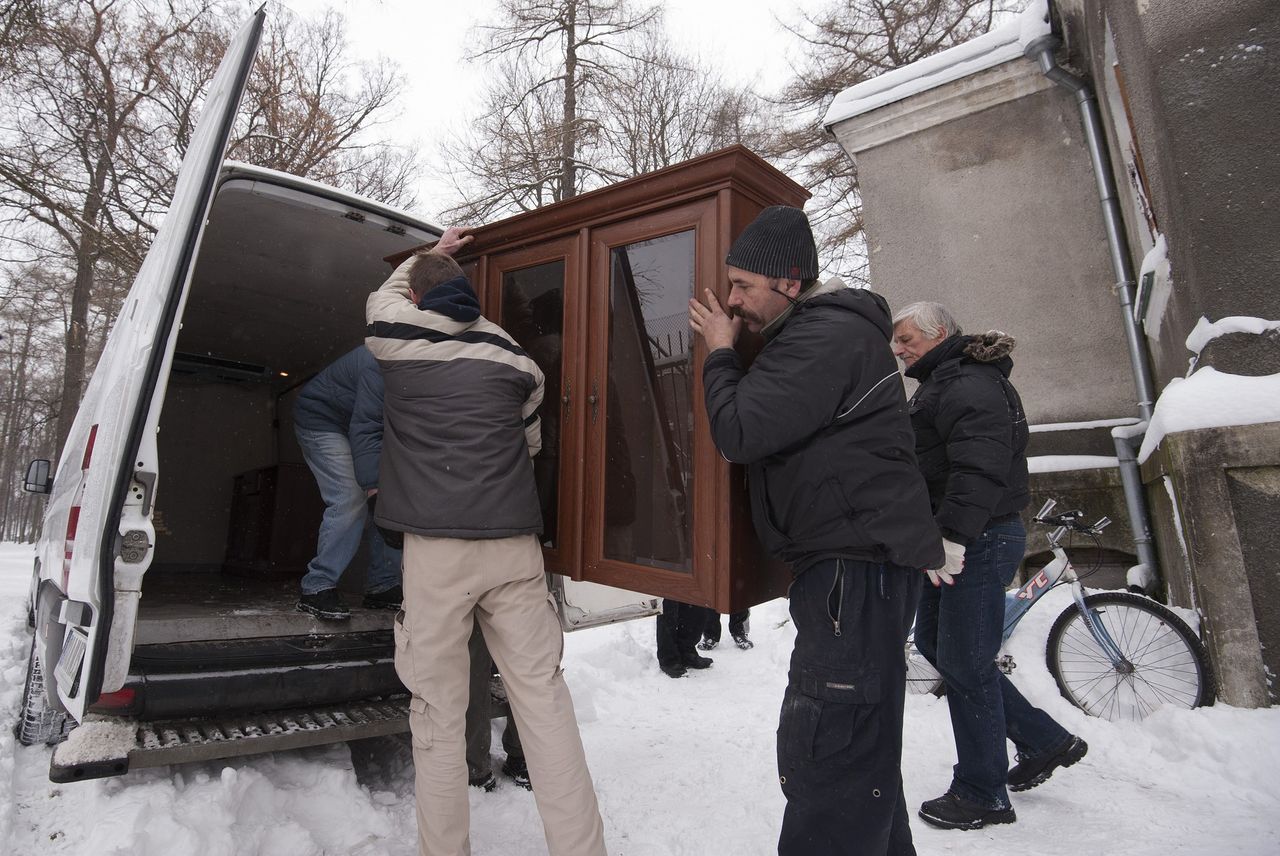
820 420
460 416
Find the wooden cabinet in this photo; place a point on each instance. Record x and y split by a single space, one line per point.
273 522
596 289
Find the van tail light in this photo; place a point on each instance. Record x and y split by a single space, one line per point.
73 515
123 701
69 544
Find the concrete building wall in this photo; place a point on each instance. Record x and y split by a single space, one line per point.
1219 549
1200 81
996 214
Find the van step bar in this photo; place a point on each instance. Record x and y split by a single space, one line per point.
182 741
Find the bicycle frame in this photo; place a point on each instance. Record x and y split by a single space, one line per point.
1017 603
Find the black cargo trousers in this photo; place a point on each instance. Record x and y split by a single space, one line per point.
840 731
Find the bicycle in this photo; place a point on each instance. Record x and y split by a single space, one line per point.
1115 655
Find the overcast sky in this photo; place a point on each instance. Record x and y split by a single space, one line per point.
740 38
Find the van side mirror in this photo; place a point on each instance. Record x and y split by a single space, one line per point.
39 477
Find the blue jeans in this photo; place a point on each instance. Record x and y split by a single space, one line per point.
959 630
329 457
840 730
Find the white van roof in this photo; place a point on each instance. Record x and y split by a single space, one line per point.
239 169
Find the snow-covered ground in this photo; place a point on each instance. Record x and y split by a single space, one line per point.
683 768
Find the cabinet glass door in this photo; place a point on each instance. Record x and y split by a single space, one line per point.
532 296
648 465
642 395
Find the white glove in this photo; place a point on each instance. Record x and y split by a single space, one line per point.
951 568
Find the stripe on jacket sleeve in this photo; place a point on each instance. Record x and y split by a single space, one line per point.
533 430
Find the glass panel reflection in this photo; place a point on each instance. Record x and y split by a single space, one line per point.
649 417
533 313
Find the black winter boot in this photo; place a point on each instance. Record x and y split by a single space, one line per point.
693 661
1029 772
484 781
325 604
518 770
389 599
952 811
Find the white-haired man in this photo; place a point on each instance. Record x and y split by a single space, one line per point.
970 442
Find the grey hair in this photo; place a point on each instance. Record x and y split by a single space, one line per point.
933 319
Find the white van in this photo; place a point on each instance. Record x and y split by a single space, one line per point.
165 582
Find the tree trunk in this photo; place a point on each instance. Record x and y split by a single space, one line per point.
77 337
569 131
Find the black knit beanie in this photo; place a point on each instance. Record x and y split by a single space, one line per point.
778 243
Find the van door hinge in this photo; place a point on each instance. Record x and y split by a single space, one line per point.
134 546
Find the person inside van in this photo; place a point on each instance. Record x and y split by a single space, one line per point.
338 422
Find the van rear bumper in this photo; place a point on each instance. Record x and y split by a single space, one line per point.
210 679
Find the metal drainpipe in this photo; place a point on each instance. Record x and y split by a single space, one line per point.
1041 51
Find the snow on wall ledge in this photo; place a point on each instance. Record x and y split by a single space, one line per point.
1002 44
1206 331
1069 463
1211 399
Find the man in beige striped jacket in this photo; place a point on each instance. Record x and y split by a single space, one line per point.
461 428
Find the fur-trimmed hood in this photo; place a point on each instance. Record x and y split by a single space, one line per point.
991 349
990 346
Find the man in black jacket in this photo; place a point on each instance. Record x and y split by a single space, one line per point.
820 421
971 440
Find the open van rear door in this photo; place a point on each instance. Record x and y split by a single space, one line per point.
103 490
582 604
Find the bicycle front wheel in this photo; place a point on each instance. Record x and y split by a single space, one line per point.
1164 662
922 677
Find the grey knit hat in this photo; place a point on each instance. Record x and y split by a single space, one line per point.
778 243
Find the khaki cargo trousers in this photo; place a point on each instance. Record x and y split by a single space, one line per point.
450 583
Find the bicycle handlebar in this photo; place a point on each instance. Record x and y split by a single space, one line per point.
1069 520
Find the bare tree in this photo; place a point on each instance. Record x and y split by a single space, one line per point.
573 43
99 103
663 108
510 159
17 19
647 107
76 104
846 43
309 110
30 353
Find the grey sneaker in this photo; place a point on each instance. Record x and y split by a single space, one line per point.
324 604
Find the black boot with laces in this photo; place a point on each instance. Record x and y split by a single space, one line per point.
325 604
1036 770
952 811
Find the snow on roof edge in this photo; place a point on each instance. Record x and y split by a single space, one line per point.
1000 45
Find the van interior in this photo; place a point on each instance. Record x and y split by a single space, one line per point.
278 293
